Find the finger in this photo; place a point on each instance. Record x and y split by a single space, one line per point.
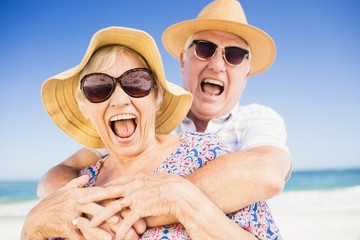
74 233
126 225
77 182
91 233
110 210
139 226
122 186
89 208
94 208
111 192
131 235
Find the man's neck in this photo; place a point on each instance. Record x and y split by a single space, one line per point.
200 124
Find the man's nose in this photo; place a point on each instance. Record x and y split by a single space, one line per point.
218 63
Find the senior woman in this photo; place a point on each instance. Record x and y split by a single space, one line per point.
118 98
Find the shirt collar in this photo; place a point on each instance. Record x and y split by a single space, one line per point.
218 120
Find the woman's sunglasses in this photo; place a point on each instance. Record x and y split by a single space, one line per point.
98 87
206 50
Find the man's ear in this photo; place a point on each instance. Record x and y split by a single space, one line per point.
181 60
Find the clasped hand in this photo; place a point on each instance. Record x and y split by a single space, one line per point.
121 205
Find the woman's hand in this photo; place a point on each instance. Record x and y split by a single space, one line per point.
110 225
142 196
164 194
53 216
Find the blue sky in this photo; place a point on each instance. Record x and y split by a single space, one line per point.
314 83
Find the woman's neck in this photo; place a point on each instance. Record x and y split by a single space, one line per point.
146 162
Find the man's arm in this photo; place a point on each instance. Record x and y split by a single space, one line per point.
61 174
165 194
237 179
232 181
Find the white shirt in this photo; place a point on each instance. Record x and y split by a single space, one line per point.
245 127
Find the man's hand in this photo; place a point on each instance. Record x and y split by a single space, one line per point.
110 225
52 217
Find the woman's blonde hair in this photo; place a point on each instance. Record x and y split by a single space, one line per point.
105 58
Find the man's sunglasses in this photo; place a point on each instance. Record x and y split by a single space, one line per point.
206 50
98 87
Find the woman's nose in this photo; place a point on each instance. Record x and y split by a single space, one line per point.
119 97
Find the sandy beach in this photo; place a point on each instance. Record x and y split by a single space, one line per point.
299 215
12 218
318 214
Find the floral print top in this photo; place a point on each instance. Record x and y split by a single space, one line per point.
195 151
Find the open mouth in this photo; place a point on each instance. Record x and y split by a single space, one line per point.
212 87
124 125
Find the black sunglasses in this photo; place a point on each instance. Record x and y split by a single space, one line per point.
206 50
98 87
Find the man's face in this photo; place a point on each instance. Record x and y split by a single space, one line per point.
216 86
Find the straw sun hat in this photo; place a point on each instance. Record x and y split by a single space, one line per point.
58 92
228 16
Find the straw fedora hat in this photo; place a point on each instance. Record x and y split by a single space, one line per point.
58 92
228 16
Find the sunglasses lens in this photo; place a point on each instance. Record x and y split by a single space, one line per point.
136 83
205 50
235 55
97 87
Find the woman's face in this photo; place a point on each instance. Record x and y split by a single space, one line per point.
125 124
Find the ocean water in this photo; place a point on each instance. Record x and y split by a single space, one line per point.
323 180
17 191
23 191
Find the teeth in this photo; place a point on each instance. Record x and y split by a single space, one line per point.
122 117
214 81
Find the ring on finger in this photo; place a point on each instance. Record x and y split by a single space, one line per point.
75 221
122 204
